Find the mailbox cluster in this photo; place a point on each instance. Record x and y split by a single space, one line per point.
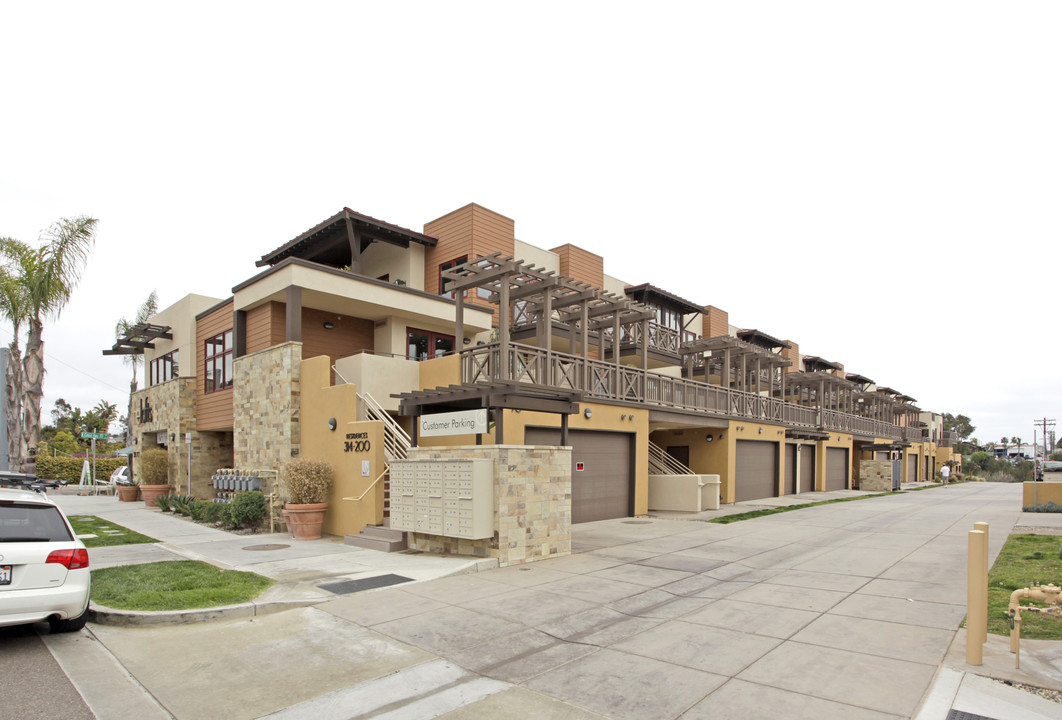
449 497
229 484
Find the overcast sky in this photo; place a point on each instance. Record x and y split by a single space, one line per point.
878 182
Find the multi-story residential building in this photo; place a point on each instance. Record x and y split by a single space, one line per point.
465 316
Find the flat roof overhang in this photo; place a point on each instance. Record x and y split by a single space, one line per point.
806 434
498 396
344 293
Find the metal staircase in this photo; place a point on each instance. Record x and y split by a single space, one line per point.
396 447
660 463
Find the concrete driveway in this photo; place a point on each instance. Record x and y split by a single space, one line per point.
837 611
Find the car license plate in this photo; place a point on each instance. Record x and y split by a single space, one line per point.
5 574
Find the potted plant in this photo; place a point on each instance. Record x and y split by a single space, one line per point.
308 483
125 485
154 475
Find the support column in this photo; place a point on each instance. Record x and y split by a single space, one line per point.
354 238
293 314
506 371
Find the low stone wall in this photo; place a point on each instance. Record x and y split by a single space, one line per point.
875 475
532 504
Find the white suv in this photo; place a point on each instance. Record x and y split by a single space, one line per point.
44 573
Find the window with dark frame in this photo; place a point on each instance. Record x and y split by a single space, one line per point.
443 282
218 362
427 345
163 368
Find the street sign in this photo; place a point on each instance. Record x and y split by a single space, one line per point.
94 436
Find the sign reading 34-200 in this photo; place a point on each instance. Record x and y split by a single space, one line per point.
357 442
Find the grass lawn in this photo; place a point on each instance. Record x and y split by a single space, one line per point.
174 585
726 519
1023 561
107 533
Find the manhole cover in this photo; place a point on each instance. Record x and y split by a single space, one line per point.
269 546
637 522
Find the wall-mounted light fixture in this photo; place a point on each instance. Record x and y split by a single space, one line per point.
721 435
588 413
466 341
760 431
328 324
332 424
173 436
708 437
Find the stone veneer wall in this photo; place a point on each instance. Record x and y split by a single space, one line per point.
173 412
875 475
265 413
532 504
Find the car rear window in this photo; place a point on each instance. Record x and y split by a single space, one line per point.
29 522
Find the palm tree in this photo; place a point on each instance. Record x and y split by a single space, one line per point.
48 275
124 327
13 307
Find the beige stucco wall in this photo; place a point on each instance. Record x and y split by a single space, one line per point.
180 317
355 450
380 376
399 263
536 256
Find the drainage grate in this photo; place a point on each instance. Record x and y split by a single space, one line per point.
345 587
963 715
273 546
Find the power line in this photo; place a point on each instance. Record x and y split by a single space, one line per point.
50 356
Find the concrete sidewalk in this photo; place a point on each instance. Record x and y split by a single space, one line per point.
846 611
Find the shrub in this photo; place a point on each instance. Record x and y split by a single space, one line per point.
182 504
307 481
248 508
1050 507
162 502
154 467
209 512
69 469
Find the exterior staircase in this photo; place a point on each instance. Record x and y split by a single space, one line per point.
378 537
396 446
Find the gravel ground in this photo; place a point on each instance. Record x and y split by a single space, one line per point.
1052 695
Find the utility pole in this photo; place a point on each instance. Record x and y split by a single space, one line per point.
1045 424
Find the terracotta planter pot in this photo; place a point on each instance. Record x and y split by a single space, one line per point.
148 493
127 493
304 521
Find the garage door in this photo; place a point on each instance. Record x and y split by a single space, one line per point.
790 468
836 468
757 470
602 489
807 468
912 468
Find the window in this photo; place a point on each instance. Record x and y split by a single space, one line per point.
443 282
218 365
425 345
162 368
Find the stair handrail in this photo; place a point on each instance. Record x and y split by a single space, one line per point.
379 477
661 463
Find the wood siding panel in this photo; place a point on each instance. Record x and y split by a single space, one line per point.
265 326
349 336
715 322
582 265
213 410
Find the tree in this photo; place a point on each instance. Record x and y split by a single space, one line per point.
1003 441
959 424
13 307
47 275
1016 441
99 418
122 328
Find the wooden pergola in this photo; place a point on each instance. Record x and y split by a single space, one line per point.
749 364
139 338
821 389
541 297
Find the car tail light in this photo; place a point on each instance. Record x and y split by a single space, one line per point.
70 559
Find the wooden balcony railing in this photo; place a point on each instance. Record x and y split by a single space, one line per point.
601 380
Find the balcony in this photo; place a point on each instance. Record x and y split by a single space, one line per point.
607 381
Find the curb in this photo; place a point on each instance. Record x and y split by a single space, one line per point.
147 618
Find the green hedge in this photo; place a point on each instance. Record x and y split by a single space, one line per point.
69 469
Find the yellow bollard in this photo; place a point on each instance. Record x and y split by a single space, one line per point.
983 527
976 596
